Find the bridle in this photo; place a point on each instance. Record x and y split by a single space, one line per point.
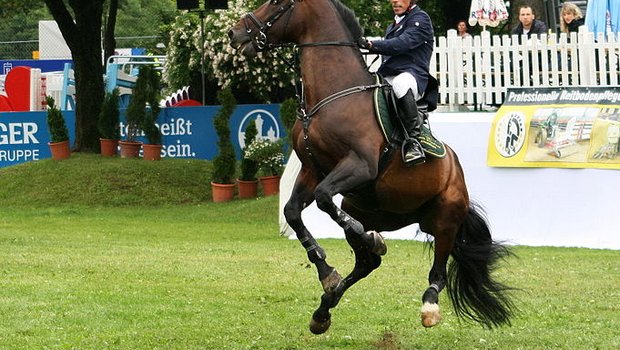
259 40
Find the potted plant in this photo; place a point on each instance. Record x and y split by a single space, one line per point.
222 185
108 124
152 149
59 134
247 182
270 159
136 113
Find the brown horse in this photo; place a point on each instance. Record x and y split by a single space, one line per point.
340 144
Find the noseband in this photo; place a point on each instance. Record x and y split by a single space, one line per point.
259 40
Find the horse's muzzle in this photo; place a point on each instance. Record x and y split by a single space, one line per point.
241 40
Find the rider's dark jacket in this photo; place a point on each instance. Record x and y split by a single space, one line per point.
407 47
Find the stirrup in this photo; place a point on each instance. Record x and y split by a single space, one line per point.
405 148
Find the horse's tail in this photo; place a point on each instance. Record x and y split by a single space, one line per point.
472 290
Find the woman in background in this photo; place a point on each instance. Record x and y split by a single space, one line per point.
461 29
571 18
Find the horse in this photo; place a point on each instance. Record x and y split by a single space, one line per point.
340 147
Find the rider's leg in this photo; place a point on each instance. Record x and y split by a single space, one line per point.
405 88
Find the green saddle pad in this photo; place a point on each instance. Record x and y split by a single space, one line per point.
431 145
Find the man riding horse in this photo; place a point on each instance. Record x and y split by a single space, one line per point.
340 144
406 54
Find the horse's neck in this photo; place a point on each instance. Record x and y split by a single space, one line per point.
329 69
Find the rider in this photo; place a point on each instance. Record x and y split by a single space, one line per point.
406 54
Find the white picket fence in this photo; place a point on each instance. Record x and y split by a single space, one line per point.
478 70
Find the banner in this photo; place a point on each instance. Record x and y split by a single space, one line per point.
187 132
573 127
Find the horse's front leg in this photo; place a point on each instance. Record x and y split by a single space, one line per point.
301 197
350 173
367 246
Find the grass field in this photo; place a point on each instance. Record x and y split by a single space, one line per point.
174 271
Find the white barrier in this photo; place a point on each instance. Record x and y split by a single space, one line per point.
533 206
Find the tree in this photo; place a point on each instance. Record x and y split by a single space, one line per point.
82 33
109 43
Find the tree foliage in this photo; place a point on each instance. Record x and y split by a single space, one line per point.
10 8
249 167
144 108
56 122
109 118
225 162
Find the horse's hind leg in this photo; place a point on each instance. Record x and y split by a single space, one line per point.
444 229
301 197
437 279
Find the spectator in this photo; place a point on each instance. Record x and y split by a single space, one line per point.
571 18
461 29
528 24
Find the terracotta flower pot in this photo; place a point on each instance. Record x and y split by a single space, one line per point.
270 184
151 152
222 192
247 189
109 147
130 149
60 150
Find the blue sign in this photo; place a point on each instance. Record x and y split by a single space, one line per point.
24 136
188 132
43 65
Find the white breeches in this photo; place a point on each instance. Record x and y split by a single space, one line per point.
402 83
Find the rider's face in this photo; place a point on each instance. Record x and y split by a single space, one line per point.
400 6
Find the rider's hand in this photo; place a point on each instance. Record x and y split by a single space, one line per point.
363 43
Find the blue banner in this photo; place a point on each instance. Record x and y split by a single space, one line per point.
188 132
43 65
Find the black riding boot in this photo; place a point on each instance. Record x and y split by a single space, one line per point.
412 121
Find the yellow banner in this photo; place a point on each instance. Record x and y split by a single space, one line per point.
557 127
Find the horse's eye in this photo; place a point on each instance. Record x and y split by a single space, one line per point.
275 2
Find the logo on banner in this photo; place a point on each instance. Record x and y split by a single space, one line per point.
266 125
510 134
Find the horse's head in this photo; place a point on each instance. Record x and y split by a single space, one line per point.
263 28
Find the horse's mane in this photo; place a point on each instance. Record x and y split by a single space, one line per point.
350 20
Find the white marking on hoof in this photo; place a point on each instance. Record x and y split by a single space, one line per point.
430 314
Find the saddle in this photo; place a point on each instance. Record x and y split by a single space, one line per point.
394 133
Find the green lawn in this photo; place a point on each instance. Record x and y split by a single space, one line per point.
192 274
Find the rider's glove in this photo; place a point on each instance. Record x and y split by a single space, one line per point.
363 43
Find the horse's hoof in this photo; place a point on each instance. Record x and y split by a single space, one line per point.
331 282
430 314
317 327
379 247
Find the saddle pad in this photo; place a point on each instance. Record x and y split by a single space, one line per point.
431 145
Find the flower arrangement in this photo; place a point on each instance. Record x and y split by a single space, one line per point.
267 154
262 77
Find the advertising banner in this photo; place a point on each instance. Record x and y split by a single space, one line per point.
572 127
188 132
